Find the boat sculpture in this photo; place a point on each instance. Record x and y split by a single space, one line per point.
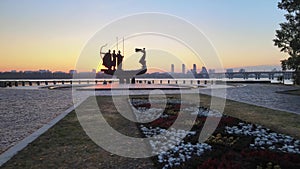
111 61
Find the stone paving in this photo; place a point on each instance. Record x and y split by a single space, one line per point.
262 95
24 111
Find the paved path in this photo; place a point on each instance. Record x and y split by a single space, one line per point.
262 95
24 111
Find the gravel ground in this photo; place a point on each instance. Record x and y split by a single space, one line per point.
23 111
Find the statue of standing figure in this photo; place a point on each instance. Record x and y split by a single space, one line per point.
143 58
107 59
114 60
119 60
111 60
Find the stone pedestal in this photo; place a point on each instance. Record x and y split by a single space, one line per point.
125 76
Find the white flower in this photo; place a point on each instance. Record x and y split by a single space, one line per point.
265 138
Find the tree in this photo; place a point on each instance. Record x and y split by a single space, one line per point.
288 36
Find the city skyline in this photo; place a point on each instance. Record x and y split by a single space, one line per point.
185 73
50 35
193 67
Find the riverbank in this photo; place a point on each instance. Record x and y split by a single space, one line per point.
66 145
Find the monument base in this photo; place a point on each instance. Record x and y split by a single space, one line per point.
125 76
133 87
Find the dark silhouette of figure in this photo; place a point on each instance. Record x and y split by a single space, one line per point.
119 60
114 60
143 58
107 60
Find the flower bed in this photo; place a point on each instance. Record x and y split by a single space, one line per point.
265 138
234 144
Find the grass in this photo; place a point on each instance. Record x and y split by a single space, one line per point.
66 145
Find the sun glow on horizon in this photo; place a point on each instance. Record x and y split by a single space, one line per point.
43 35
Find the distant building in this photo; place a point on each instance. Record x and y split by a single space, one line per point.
60 75
204 73
189 73
242 70
28 71
13 71
172 68
44 71
183 68
203 70
93 70
229 70
211 71
194 68
72 72
59 72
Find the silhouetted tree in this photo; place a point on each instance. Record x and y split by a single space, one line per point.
288 36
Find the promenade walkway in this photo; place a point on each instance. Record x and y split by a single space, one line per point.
262 95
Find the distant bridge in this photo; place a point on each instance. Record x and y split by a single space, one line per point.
255 74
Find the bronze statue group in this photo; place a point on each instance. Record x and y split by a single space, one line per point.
111 60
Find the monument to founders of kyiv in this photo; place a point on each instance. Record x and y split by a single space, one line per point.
113 64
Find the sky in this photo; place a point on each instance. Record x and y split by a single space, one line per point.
51 34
